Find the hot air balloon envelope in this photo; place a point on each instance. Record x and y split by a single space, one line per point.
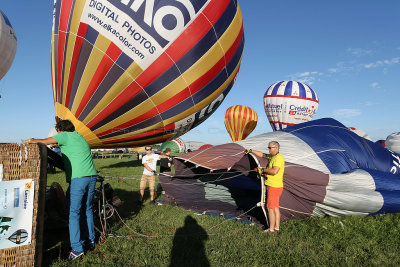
343 175
393 142
360 132
240 121
133 73
288 103
8 44
176 146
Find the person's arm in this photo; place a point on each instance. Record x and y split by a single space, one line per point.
257 153
274 170
46 141
148 168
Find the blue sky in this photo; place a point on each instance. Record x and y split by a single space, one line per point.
347 51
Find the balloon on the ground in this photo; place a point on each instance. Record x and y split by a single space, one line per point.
176 146
360 132
343 175
393 142
288 103
240 121
8 44
205 146
132 73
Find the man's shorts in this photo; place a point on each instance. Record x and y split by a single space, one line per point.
147 178
273 196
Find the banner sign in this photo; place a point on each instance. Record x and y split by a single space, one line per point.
16 212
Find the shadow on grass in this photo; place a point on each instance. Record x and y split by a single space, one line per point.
188 245
130 163
56 244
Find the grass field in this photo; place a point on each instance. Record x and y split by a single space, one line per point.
183 238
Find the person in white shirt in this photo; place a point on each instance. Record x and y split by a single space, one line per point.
149 173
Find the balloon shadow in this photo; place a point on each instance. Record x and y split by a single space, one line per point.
188 245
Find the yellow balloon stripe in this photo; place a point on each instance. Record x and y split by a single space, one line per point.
240 121
98 51
126 78
79 126
209 59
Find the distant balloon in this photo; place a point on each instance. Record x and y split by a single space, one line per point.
288 103
176 146
133 73
393 142
240 121
205 146
8 44
360 132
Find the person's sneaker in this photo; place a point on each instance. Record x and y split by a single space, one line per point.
140 202
152 202
74 255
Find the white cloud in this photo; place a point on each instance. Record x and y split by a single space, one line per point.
342 67
381 63
375 85
347 112
359 51
370 104
307 77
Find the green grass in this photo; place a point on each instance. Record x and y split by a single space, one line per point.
350 241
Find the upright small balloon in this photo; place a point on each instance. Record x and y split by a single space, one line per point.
8 44
132 73
288 103
240 121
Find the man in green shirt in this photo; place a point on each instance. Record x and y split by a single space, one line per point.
81 175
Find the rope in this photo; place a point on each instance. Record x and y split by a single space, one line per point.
165 235
305 213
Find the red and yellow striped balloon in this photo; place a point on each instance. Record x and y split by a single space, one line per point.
129 73
240 121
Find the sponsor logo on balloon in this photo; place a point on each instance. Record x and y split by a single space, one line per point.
301 110
396 162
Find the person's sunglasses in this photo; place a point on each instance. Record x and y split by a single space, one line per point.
148 149
271 147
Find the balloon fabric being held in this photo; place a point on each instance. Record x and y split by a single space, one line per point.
132 73
240 121
288 103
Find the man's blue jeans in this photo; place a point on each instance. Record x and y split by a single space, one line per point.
80 195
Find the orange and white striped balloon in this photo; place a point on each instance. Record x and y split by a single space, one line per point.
240 121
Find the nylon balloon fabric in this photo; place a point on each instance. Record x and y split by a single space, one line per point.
131 73
329 171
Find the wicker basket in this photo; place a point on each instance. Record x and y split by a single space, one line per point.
26 162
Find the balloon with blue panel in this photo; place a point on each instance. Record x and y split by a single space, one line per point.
288 103
329 170
129 73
